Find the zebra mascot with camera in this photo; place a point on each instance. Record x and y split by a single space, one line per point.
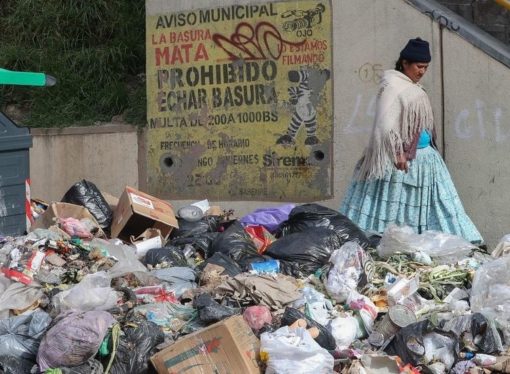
309 83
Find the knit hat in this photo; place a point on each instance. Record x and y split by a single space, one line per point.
416 50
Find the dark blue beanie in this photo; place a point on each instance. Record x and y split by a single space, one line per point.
416 50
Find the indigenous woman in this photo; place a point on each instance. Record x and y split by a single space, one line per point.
401 177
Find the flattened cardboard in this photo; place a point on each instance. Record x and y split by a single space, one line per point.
137 211
227 347
64 210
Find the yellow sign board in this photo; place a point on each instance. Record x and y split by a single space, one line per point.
240 102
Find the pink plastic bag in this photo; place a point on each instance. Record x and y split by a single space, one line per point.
257 316
75 227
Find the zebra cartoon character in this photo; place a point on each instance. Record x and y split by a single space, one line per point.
302 97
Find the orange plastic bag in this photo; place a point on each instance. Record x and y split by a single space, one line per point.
260 236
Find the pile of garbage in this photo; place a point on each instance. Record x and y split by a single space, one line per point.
106 285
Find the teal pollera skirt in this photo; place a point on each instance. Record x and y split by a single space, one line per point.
424 198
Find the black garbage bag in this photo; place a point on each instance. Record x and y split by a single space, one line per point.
409 344
231 268
303 253
136 347
20 336
238 245
200 242
308 216
87 194
485 334
92 366
325 338
210 311
374 240
171 255
268 328
189 229
483 331
15 365
129 301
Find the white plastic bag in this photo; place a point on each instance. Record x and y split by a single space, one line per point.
127 260
292 351
439 348
366 309
344 330
4 284
17 296
92 293
317 306
179 279
503 247
443 248
346 272
490 293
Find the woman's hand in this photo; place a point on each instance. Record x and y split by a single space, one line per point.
401 163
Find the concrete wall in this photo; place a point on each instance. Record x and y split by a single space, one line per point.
105 155
363 41
368 36
477 133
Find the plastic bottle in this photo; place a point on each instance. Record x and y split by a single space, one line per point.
466 355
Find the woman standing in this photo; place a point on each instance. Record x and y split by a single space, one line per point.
401 177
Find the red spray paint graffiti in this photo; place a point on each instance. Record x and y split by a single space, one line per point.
248 43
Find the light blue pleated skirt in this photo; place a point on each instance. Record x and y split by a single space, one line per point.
423 198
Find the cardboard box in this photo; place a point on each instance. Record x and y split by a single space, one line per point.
64 210
111 200
138 211
150 238
228 346
214 210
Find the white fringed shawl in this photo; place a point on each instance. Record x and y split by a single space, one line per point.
403 110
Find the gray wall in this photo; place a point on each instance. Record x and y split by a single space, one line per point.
367 35
105 155
477 133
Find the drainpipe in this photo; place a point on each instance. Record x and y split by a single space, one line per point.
443 116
